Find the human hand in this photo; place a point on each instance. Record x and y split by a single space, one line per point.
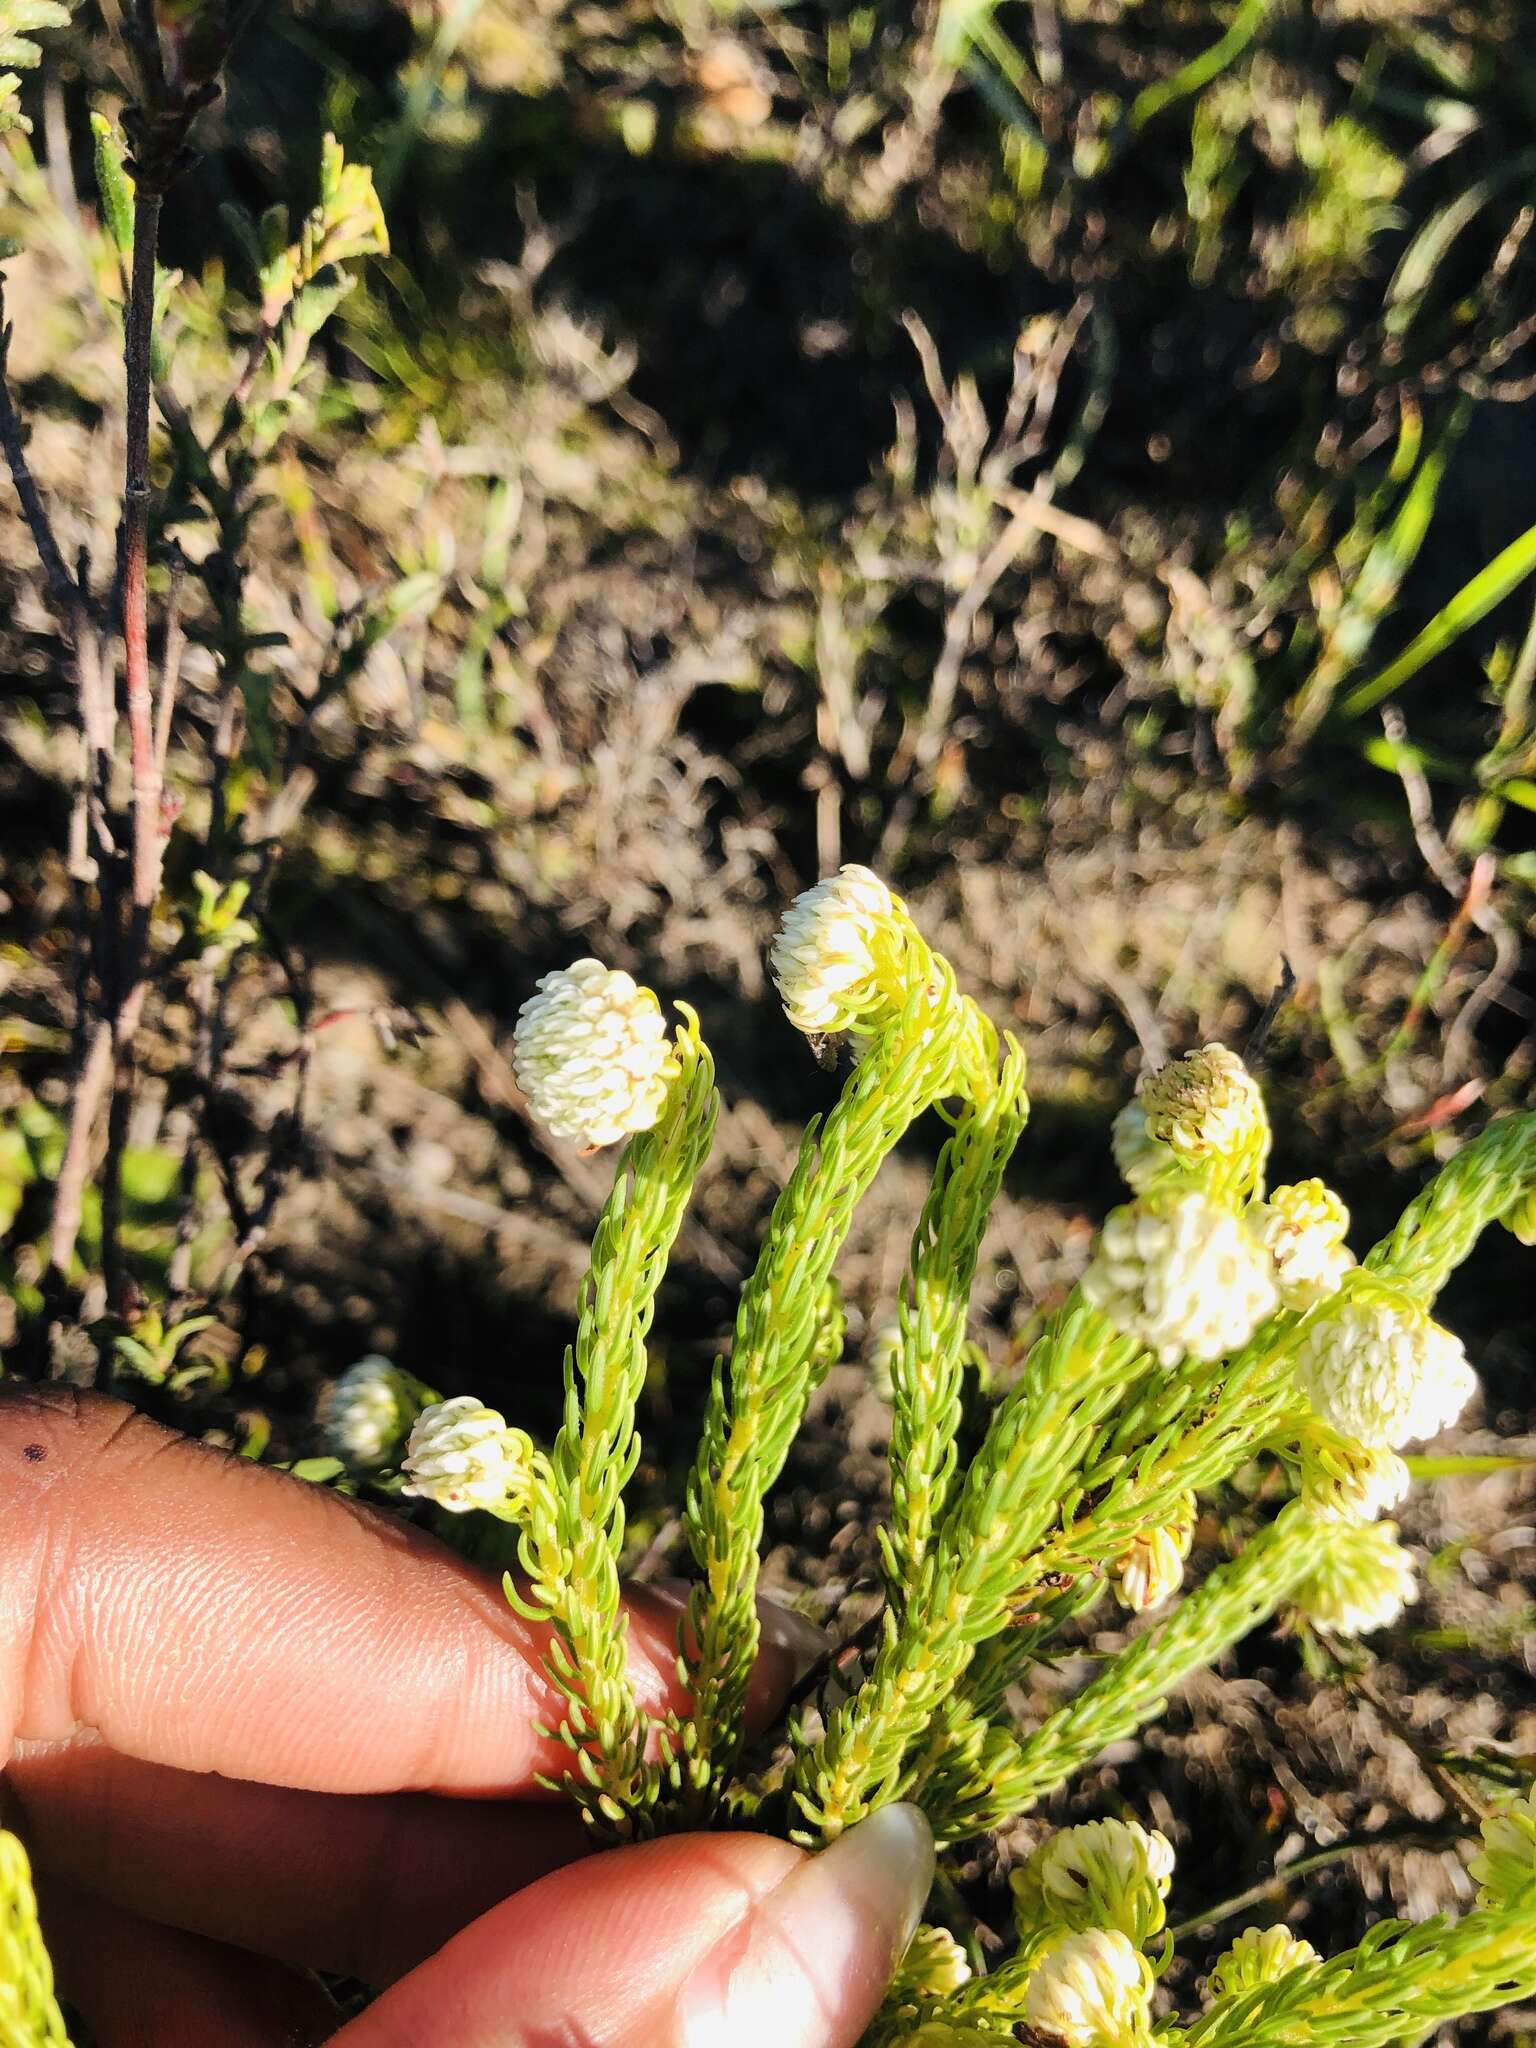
256 1730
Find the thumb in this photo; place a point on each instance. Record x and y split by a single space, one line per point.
697 1941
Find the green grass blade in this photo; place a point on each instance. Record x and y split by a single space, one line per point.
1475 599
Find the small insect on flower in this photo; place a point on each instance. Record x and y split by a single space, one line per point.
592 1054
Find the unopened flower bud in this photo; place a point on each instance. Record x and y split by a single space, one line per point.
1302 1227
1183 1275
1363 1583
464 1455
1104 1873
1345 1481
1260 1955
1377 1368
592 1054
1152 1570
367 1414
1091 1990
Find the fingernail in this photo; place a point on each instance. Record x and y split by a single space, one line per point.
810 1963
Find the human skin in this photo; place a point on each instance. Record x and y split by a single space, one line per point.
255 1730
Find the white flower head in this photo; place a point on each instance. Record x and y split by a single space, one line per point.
1365 1580
1152 1570
1345 1481
1091 1990
1303 1227
1506 1869
1378 1369
1260 1955
934 1965
1139 1158
592 1054
463 1455
366 1413
827 956
1183 1275
1101 1874
1205 1105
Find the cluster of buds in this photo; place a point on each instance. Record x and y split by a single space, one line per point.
1260 1955
463 1455
1183 1274
592 1053
368 1413
1207 1110
1091 1990
1345 1481
1364 1581
1506 1869
1378 1369
1102 1874
1303 1228
1152 1570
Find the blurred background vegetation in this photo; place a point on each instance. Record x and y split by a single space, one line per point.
1077 456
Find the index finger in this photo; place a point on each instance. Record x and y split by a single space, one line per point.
200 1611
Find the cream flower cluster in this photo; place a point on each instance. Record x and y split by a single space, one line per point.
1152 1570
464 1455
1091 1990
1204 1105
592 1054
826 957
1183 1275
1260 1955
1302 1227
366 1413
1377 1368
1101 1874
1344 1481
1506 1869
1363 1583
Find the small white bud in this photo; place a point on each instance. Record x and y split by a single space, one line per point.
1101 1874
367 1413
1378 1369
1260 1955
592 1054
1302 1227
1364 1582
463 1455
1183 1275
1091 1990
1345 1481
1152 1570
826 958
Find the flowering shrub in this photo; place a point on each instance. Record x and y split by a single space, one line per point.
1215 1324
